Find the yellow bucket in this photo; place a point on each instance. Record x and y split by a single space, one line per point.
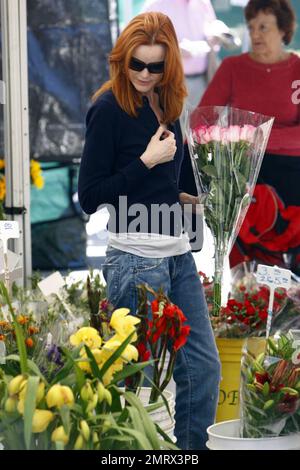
230 350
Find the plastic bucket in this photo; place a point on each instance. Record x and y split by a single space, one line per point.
230 350
225 436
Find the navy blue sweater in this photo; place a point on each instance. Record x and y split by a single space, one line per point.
111 164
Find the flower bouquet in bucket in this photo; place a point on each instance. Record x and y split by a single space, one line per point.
226 147
270 391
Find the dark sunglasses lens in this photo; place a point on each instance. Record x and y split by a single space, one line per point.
136 65
153 67
156 67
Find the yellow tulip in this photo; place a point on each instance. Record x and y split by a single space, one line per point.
124 324
101 392
16 384
87 392
79 443
11 405
60 435
41 420
88 336
21 406
85 430
59 395
92 403
108 397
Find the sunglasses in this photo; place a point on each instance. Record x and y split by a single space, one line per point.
153 67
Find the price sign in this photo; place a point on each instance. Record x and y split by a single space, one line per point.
273 277
9 229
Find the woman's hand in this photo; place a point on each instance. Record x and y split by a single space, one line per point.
186 198
161 148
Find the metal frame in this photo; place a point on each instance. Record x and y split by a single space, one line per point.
16 125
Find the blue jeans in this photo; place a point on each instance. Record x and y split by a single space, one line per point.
197 368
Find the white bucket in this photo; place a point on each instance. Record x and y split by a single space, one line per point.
225 436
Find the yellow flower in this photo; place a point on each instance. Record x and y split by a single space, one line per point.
41 420
85 430
39 182
123 323
59 395
16 384
60 435
2 188
86 392
10 405
79 443
130 353
88 336
85 365
2 163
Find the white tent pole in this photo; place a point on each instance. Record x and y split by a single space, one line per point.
16 125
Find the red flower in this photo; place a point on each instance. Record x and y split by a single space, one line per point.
144 354
155 306
182 338
262 377
263 314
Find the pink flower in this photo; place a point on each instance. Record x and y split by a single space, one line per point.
215 133
233 133
247 133
202 135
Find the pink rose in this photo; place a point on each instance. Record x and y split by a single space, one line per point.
202 135
215 133
247 133
233 133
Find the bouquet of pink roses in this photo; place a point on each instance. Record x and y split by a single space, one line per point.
226 147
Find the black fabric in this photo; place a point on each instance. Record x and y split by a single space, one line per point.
283 173
194 223
111 164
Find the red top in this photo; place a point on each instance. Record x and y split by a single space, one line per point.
267 89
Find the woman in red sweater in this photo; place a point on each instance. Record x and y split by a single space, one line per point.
267 80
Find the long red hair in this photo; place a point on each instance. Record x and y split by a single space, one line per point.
147 29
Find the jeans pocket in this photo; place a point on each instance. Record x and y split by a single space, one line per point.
147 264
111 274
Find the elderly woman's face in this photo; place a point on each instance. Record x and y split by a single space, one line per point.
266 37
145 80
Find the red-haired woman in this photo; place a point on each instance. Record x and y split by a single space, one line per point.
131 164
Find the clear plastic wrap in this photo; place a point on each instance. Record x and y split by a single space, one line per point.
270 386
226 147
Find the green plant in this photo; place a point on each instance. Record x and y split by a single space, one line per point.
82 406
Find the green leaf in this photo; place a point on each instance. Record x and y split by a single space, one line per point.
19 334
93 363
80 377
210 170
130 370
145 422
29 408
31 365
64 412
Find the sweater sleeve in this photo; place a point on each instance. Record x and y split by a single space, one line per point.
219 90
98 182
286 138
